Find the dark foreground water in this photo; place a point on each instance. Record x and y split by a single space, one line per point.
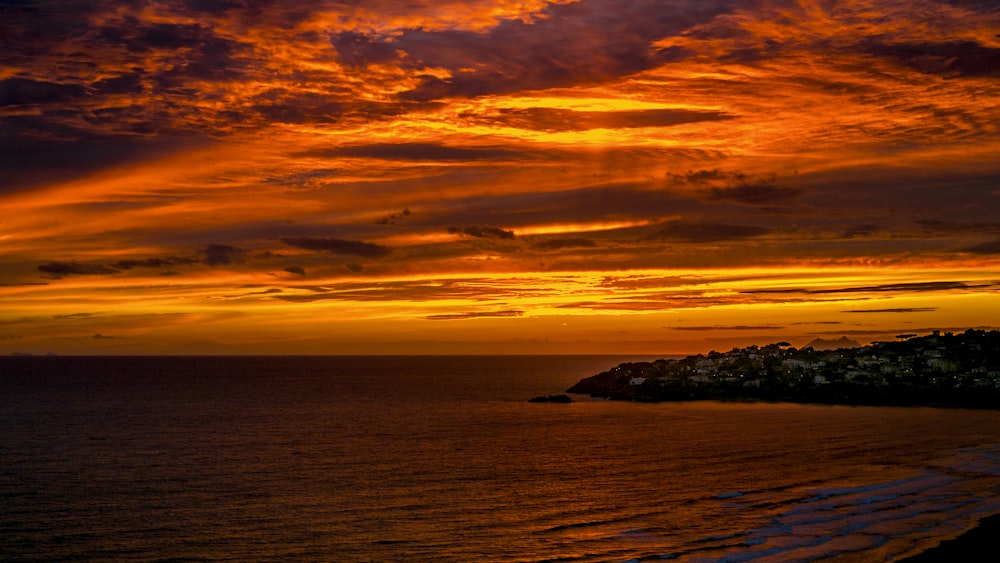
442 459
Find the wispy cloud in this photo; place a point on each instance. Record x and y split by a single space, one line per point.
474 315
903 310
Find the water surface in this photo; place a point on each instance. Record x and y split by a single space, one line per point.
442 459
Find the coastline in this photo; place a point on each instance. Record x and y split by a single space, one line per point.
969 546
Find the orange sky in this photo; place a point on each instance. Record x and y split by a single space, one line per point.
495 176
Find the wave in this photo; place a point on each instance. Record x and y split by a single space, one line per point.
892 517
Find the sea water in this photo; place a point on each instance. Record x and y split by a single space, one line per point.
443 459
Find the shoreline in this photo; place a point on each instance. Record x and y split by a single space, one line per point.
969 546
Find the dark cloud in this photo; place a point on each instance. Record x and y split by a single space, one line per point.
35 149
393 217
758 192
739 187
99 336
417 152
331 105
563 243
76 269
363 50
303 179
955 58
556 119
339 246
23 91
155 262
222 254
568 44
991 247
702 177
482 232
590 203
355 267
690 231
75 75
886 288
212 6
944 226
480 315
863 230
197 52
985 5
895 310
297 270
130 83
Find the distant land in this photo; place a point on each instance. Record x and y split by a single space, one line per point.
836 344
948 370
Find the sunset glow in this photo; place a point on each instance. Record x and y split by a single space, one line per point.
492 177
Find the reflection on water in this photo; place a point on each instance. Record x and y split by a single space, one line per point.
358 459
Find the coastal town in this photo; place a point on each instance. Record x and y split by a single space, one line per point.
938 369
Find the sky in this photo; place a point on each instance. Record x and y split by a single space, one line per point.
494 176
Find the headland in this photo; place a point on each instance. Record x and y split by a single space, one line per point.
938 369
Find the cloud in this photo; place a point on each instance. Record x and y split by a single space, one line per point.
23 91
339 246
36 149
281 105
757 192
991 247
702 177
270 291
690 231
895 310
297 270
393 217
476 289
99 336
416 152
155 262
740 187
651 282
557 119
563 243
885 288
478 315
76 269
950 227
862 230
222 254
726 327
566 44
482 232
954 58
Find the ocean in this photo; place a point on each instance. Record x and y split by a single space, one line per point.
443 459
